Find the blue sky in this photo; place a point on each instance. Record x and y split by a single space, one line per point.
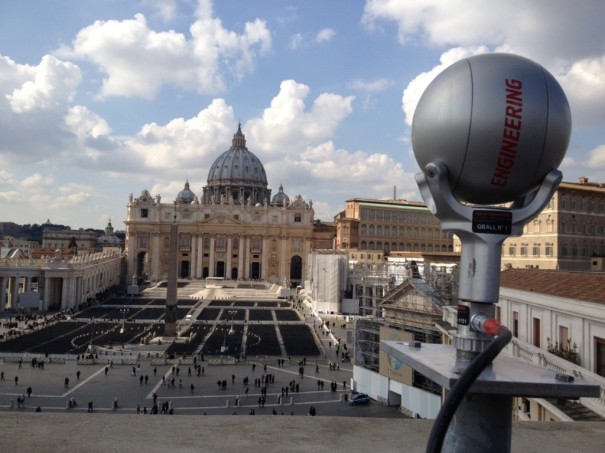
103 98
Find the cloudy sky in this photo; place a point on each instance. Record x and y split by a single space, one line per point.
103 98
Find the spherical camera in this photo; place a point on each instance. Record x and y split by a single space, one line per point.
499 122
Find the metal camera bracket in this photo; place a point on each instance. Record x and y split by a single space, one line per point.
481 229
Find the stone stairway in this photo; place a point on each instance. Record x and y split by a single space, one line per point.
576 411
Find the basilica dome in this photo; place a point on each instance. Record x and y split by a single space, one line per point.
280 198
237 176
185 196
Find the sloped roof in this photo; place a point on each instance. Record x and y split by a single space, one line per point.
584 286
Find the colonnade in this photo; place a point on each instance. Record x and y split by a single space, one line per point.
60 285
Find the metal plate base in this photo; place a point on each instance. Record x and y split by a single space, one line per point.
506 376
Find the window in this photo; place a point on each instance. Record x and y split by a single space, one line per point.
256 245
524 250
600 356
185 242
516 324
143 241
536 226
297 218
511 250
236 216
144 213
548 250
296 245
563 336
206 243
536 332
220 244
235 244
535 250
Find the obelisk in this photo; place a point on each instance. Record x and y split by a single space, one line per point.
170 316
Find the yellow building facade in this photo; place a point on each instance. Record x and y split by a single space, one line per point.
568 234
379 227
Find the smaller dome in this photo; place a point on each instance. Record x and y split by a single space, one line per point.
280 198
108 238
185 196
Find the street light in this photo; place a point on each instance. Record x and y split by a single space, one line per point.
232 329
123 311
92 332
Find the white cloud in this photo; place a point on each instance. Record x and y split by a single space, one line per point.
12 197
296 41
6 178
340 173
71 188
137 61
562 36
371 86
34 101
185 144
597 158
300 40
286 125
53 81
543 27
584 85
165 9
36 182
325 35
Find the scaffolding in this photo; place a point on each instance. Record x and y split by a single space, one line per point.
403 296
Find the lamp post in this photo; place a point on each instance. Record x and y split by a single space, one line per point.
232 313
123 311
92 333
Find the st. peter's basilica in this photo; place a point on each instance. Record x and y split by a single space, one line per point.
235 230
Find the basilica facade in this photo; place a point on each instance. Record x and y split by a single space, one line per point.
234 230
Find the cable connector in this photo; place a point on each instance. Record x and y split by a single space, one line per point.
480 322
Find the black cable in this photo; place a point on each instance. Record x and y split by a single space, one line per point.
458 391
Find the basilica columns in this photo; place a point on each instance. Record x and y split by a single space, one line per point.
3 300
155 256
229 257
212 264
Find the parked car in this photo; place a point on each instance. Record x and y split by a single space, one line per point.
359 399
